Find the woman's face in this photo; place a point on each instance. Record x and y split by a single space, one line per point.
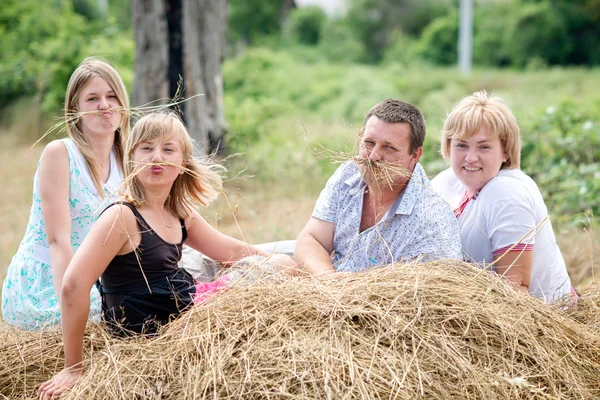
160 161
100 101
476 160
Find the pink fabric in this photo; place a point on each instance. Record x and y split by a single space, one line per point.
464 201
205 289
574 296
513 247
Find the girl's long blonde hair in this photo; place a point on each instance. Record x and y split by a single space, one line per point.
88 69
201 181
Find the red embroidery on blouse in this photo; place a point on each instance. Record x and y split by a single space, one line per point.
458 211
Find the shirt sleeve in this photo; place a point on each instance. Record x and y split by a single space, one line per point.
510 217
326 208
437 234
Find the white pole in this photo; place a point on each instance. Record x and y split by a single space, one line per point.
465 37
103 7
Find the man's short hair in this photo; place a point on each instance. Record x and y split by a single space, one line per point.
483 109
394 111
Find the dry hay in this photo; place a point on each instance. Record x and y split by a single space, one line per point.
435 330
588 308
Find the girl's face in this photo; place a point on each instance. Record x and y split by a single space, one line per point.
476 160
159 162
102 107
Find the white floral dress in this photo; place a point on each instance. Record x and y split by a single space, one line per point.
29 300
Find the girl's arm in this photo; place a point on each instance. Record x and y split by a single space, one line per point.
216 245
108 237
53 176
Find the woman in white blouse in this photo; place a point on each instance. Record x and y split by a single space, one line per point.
503 219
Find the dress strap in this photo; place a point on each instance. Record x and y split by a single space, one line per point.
145 226
135 212
184 234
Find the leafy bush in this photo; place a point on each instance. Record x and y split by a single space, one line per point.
581 20
250 19
339 44
490 32
438 43
58 40
562 154
401 50
374 21
538 30
304 25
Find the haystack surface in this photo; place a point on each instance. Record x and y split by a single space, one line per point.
435 330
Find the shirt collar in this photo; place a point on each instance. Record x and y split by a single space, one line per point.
409 196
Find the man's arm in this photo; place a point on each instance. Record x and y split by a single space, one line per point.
314 247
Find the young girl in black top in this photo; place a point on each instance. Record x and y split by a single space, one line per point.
135 245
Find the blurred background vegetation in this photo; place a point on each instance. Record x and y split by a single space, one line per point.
298 80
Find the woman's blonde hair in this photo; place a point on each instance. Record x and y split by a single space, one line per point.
484 110
87 70
200 183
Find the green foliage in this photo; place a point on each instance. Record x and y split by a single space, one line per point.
304 25
87 8
339 44
581 21
438 43
490 32
374 21
58 40
538 30
402 50
562 154
250 19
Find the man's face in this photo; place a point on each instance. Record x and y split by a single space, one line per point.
385 153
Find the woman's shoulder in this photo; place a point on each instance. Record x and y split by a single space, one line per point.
511 183
120 214
446 182
56 148
54 163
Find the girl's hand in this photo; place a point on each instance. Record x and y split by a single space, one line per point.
61 382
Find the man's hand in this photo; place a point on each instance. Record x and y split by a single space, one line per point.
61 382
314 247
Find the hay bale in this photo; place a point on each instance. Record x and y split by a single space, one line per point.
587 310
435 330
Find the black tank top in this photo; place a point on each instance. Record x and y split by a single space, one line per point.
145 288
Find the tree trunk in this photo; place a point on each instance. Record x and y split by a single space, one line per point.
204 29
183 38
151 52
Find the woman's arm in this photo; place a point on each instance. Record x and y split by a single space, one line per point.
53 178
107 237
216 245
516 267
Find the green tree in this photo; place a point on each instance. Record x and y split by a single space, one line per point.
250 19
374 21
57 39
490 31
339 44
538 30
305 25
438 43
